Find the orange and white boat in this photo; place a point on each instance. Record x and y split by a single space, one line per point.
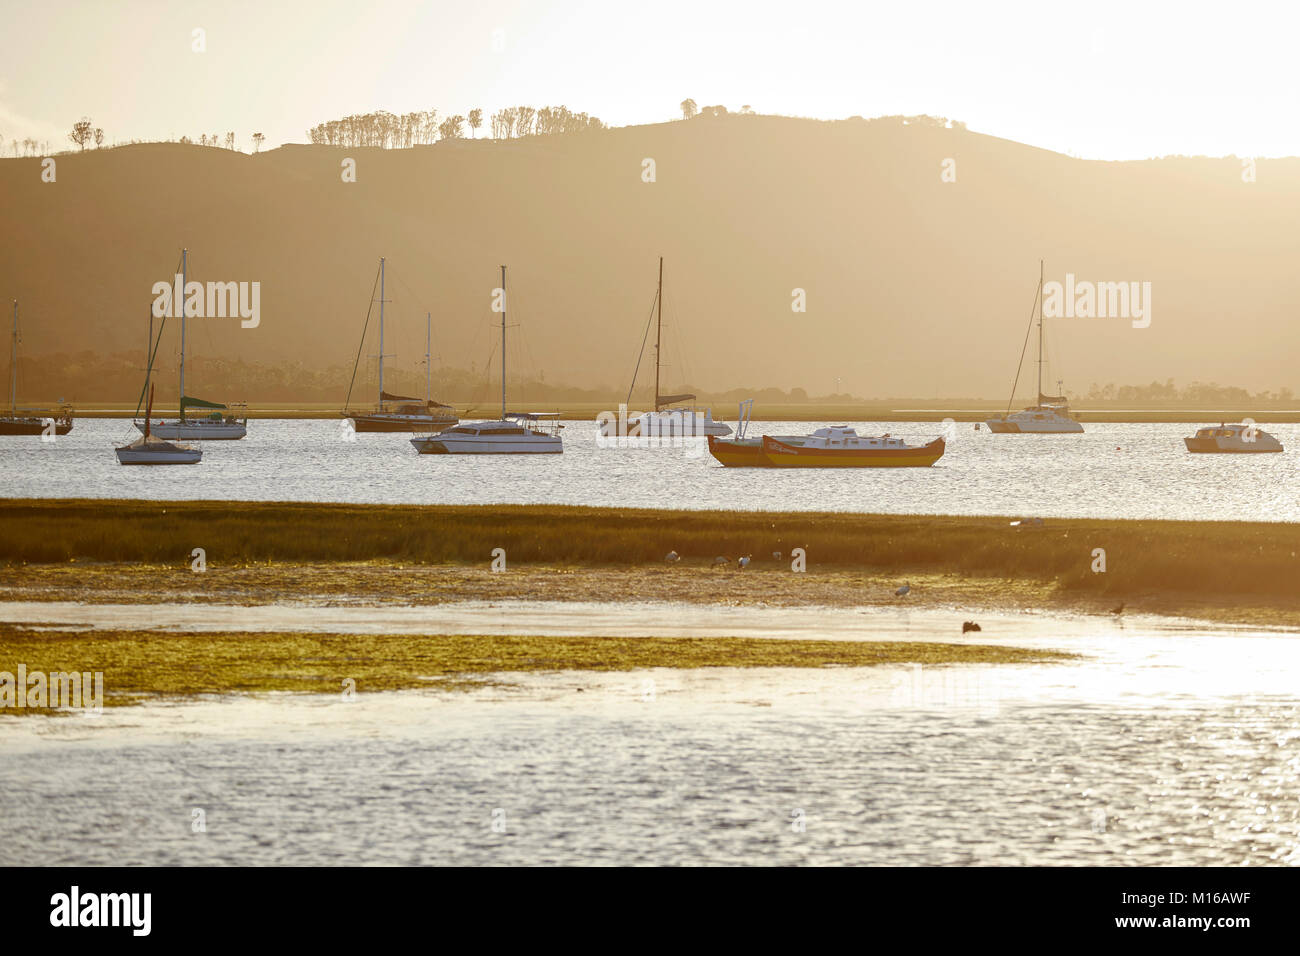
842 447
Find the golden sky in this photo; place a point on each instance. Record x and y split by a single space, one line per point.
1106 80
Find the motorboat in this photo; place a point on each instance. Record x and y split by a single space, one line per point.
1242 437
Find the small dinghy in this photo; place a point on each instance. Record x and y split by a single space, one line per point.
148 449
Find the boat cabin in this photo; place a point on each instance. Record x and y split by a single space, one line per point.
841 436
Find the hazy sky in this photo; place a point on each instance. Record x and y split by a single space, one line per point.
1101 80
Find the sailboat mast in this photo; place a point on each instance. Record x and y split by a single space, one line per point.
659 328
1039 400
381 330
503 343
428 366
185 253
13 365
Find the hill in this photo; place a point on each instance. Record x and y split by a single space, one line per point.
914 286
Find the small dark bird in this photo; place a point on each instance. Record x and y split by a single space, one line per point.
776 555
1118 610
968 626
719 561
903 591
672 557
744 562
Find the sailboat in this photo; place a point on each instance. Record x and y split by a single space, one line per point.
15 424
149 449
215 426
1051 416
515 433
664 421
398 413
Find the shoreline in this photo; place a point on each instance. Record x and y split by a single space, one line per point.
264 552
821 414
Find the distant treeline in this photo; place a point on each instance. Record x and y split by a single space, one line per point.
421 127
1197 392
401 130
92 377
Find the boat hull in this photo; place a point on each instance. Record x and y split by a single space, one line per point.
399 423
1001 426
540 445
683 424
149 456
741 452
33 426
1225 447
197 430
783 455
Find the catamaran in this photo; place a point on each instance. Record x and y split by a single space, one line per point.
29 424
1051 416
398 413
515 433
219 424
664 421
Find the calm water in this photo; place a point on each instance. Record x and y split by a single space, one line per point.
1113 470
1166 744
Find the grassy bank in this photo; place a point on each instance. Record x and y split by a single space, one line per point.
179 665
1229 561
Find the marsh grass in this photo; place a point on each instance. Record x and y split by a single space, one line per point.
136 664
1228 560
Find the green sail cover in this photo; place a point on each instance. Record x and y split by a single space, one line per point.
187 402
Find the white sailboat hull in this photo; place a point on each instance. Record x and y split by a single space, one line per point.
197 430
482 445
679 424
1034 423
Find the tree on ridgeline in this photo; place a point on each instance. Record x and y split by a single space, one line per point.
452 127
82 132
389 131
258 138
689 108
516 121
99 138
230 140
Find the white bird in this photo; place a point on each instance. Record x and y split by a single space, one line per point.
719 561
903 591
744 562
672 557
